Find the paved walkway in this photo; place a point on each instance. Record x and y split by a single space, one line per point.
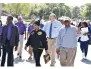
78 61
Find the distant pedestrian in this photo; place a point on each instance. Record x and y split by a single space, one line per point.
84 39
1 27
30 29
22 30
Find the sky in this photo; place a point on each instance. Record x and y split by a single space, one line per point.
67 2
76 2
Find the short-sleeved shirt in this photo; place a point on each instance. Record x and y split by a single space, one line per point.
30 28
41 26
21 27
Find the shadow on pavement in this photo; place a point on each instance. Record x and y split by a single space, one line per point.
87 61
31 61
17 60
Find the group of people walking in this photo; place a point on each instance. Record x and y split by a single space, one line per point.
57 37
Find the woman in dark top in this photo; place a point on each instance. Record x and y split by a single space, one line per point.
84 38
37 40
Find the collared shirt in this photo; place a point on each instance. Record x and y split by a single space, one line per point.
67 38
56 26
1 29
30 28
9 31
21 27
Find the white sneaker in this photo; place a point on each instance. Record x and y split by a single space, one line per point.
53 64
83 56
58 57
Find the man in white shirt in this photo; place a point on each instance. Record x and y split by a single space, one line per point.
52 28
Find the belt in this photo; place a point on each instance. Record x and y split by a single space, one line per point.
21 34
40 48
50 38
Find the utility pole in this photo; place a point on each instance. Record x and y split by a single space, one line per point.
0 9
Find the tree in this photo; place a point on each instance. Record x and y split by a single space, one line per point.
42 10
87 11
76 12
68 11
17 8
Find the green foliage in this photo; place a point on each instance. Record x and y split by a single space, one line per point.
76 12
44 9
87 11
17 8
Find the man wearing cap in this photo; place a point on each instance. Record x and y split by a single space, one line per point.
37 40
10 39
67 43
22 30
52 29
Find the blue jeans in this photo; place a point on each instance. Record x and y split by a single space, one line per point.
84 47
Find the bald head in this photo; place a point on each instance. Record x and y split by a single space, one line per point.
20 19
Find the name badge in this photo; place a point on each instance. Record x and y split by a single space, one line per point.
39 33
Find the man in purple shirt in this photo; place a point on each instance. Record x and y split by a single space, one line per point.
22 30
9 39
0 35
30 29
41 25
